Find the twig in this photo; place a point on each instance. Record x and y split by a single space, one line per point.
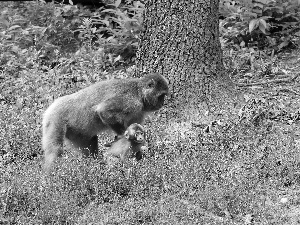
288 90
295 77
269 82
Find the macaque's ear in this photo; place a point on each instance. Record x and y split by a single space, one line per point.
126 134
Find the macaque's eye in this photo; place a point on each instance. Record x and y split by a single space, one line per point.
138 134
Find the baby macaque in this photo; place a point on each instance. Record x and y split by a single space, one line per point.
130 145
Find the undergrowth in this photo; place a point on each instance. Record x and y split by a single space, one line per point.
195 175
235 172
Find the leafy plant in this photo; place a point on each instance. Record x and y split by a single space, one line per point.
39 28
40 34
264 23
118 29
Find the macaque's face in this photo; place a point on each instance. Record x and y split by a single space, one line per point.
135 133
154 92
139 136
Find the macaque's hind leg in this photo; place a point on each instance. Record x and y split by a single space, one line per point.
52 144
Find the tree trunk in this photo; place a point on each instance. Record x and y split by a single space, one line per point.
181 42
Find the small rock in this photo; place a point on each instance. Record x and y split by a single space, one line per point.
284 200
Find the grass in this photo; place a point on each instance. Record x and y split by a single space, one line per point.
247 172
230 177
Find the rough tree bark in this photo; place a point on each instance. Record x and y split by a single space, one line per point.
181 41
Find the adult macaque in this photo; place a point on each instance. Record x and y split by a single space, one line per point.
112 104
128 146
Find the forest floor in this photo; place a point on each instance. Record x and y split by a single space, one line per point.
255 180
279 92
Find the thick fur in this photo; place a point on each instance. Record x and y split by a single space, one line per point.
112 104
128 146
